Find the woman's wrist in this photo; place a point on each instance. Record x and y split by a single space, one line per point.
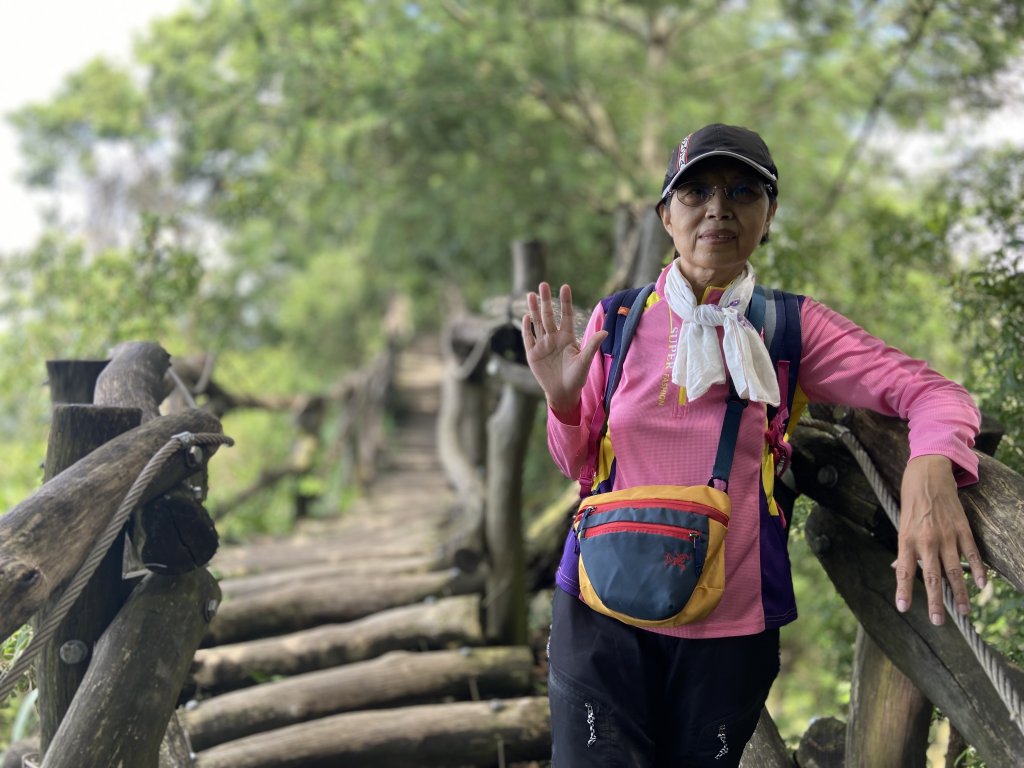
565 411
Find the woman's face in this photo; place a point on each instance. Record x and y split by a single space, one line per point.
715 240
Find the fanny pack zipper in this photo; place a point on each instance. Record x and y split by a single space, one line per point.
662 529
684 506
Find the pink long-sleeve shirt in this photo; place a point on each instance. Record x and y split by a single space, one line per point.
660 438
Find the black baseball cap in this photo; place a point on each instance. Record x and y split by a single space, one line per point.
718 140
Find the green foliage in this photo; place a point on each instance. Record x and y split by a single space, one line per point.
98 103
986 195
60 302
17 711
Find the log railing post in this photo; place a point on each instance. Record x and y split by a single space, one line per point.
85 721
508 432
76 430
889 716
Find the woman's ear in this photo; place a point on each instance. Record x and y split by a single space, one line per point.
666 217
772 207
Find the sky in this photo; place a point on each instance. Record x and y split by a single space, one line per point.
40 43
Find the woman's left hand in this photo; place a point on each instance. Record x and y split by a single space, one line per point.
935 534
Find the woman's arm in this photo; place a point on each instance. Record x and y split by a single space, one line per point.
843 363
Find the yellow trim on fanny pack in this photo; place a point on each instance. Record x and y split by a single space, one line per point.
699 494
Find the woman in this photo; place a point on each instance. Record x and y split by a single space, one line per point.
690 695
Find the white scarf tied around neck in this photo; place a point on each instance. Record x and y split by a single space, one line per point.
698 360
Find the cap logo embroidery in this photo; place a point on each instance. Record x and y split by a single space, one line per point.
683 150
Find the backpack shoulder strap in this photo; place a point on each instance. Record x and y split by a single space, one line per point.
622 314
624 326
783 337
756 312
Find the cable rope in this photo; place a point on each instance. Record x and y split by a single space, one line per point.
178 442
995 671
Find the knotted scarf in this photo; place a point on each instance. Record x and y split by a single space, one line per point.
698 361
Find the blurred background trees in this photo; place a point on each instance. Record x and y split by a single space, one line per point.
283 168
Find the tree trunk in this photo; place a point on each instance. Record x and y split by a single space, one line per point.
128 696
508 432
45 539
889 716
440 624
827 472
291 608
936 659
398 678
466 544
653 249
438 735
75 431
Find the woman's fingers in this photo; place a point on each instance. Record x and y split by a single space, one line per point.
547 310
528 338
565 296
954 574
541 311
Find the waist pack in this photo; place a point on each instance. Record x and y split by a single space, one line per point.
654 556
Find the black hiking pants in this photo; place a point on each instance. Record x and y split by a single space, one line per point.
623 697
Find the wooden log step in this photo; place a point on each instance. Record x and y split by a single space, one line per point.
494 732
395 679
420 541
308 574
451 621
300 606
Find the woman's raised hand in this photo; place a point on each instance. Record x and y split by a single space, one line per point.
552 351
